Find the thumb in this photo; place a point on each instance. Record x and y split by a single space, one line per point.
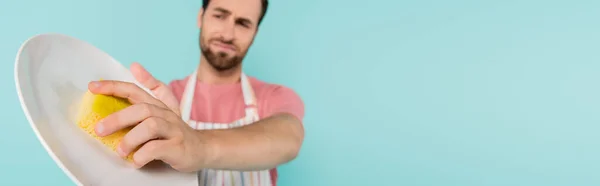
160 90
144 77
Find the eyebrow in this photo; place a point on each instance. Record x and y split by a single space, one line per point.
225 11
222 10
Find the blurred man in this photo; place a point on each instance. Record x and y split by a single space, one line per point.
231 128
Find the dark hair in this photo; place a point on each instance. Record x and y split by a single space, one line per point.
265 4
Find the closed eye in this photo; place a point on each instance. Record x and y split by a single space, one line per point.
244 22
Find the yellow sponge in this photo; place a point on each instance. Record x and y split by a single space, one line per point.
93 108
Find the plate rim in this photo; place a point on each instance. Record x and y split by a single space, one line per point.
26 110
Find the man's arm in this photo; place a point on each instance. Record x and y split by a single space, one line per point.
159 133
262 145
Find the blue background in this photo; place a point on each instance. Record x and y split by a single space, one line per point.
429 92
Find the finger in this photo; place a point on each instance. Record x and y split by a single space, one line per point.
121 89
150 129
128 117
152 150
145 78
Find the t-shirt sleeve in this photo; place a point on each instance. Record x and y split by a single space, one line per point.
281 99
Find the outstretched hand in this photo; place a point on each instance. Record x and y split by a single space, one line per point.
158 130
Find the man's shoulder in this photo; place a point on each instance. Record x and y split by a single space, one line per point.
276 98
180 82
177 86
268 89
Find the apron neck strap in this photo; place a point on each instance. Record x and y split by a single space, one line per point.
188 94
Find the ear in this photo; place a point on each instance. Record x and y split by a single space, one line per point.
199 21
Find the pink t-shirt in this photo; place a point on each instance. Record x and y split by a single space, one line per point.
225 103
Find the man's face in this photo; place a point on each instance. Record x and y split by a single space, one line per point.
228 28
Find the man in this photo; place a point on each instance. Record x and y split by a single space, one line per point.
260 123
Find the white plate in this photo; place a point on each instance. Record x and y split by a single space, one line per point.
51 74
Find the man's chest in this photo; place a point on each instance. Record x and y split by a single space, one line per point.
218 108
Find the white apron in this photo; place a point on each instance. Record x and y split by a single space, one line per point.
210 177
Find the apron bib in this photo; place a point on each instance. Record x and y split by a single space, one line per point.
211 177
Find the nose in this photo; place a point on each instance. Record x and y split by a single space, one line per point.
228 32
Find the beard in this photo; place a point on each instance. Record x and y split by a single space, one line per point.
220 61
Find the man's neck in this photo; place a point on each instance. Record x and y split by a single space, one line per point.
209 75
